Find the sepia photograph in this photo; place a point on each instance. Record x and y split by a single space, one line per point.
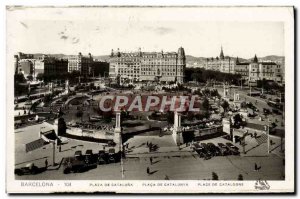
140 99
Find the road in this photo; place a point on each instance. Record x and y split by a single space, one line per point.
261 103
176 168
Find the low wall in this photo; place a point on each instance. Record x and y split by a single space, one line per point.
90 133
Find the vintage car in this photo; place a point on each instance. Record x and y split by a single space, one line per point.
29 169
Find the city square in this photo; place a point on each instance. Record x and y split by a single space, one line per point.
157 109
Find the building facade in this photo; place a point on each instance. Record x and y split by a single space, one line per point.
100 68
255 70
221 63
26 66
148 66
80 63
32 66
242 68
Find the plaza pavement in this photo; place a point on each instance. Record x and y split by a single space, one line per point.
178 164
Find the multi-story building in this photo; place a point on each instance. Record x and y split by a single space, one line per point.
148 66
100 68
24 63
80 63
47 65
242 68
256 70
221 63
26 66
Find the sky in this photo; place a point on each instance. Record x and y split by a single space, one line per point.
200 31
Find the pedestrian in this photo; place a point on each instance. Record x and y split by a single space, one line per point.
151 160
46 163
255 167
59 148
148 170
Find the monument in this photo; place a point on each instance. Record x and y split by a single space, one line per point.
117 130
67 88
177 130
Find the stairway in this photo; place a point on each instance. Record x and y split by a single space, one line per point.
263 138
34 145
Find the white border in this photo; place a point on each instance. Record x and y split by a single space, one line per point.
289 87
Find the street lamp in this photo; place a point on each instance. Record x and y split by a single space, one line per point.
267 128
121 149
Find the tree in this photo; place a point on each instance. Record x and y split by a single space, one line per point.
225 105
79 113
170 117
47 99
237 121
64 98
240 177
243 105
205 104
214 176
30 77
40 76
19 78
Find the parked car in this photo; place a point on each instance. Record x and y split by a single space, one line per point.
90 158
79 162
276 111
266 111
199 149
206 150
29 169
111 155
263 96
77 153
213 149
102 157
233 149
223 149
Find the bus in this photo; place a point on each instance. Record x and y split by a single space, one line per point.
275 104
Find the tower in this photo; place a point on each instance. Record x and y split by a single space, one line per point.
237 61
112 53
118 52
180 65
221 53
67 88
51 87
225 91
16 64
117 131
177 130
255 60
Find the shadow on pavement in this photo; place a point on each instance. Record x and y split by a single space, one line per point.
29 161
152 172
157 161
